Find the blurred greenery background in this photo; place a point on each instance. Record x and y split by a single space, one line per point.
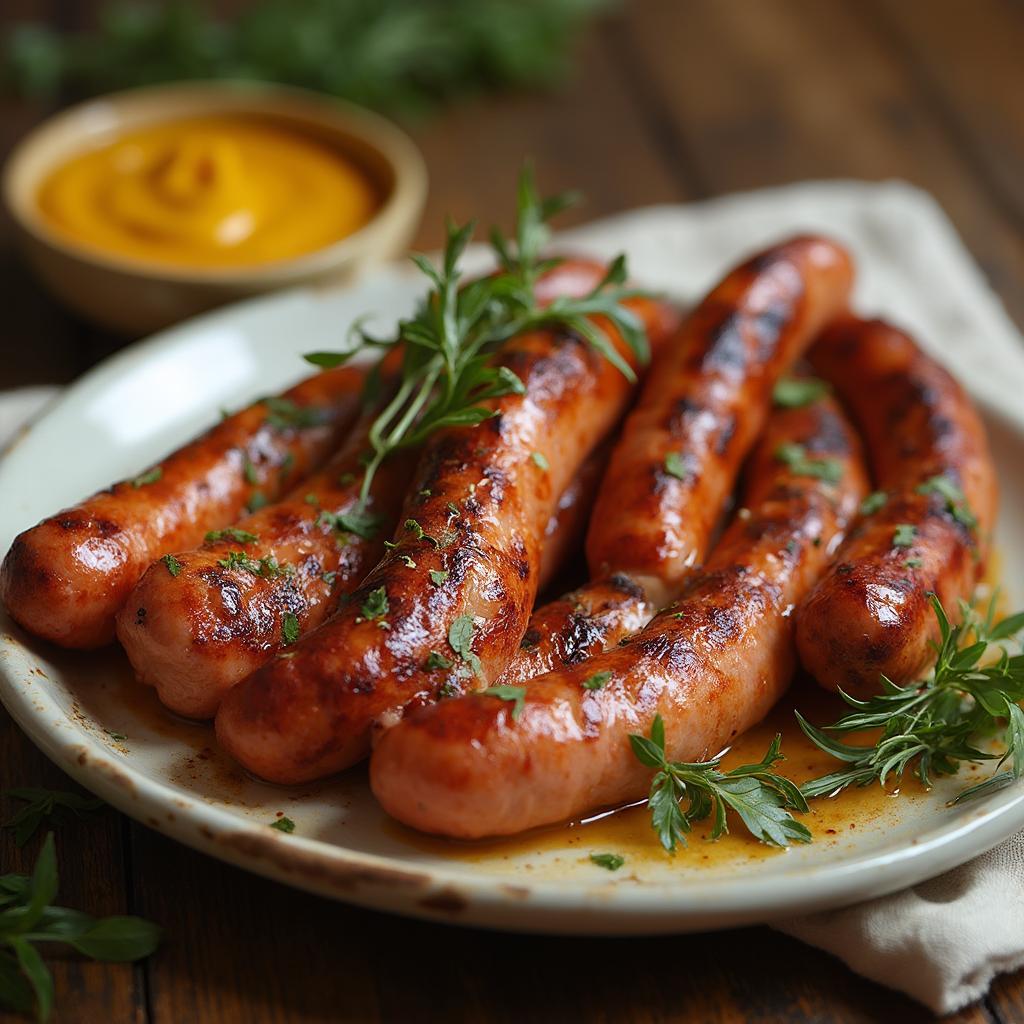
402 57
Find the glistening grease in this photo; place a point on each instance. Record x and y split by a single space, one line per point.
228 191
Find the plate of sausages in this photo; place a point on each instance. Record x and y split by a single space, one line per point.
495 620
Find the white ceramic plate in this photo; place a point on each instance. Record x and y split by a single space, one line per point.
85 712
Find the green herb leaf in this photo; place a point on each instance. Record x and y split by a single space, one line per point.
267 567
903 536
376 604
46 805
873 502
609 861
149 477
257 500
438 576
283 824
762 799
437 660
956 503
289 628
796 392
249 471
460 636
675 465
231 533
173 565
540 461
515 694
284 414
119 939
795 457
597 681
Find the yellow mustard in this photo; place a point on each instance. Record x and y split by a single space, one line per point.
230 191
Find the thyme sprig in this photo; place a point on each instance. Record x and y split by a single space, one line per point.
931 727
447 374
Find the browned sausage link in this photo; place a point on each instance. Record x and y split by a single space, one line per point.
870 615
712 665
704 402
577 626
67 578
201 621
702 408
474 521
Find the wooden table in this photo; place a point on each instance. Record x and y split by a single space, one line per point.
672 101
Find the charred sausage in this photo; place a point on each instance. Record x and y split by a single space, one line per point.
66 578
930 529
711 665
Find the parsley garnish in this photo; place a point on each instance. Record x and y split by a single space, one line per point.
796 392
446 377
873 502
283 824
256 501
231 533
515 694
437 660
173 565
460 636
540 461
762 799
611 861
27 917
931 725
149 477
284 414
45 805
597 681
913 563
376 604
675 465
438 576
795 457
358 521
289 628
267 567
956 503
903 536
249 471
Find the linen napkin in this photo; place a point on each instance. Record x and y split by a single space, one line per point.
943 941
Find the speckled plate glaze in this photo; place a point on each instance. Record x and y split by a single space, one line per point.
86 713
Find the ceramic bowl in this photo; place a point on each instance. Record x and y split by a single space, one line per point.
135 296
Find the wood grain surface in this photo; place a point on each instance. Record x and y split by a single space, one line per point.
671 100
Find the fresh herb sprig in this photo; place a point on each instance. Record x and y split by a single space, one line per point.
931 727
446 375
761 798
45 805
402 56
28 917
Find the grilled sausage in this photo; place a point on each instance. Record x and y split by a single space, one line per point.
473 526
870 616
65 579
711 665
200 621
703 403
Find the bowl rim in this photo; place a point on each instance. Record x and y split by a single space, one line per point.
230 95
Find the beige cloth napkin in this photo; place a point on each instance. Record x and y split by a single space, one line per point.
943 941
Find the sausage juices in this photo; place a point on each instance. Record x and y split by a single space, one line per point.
703 403
927 531
711 665
445 610
65 579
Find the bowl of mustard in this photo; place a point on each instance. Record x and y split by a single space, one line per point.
144 207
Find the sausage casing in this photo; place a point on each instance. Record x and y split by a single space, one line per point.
66 578
711 665
870 615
